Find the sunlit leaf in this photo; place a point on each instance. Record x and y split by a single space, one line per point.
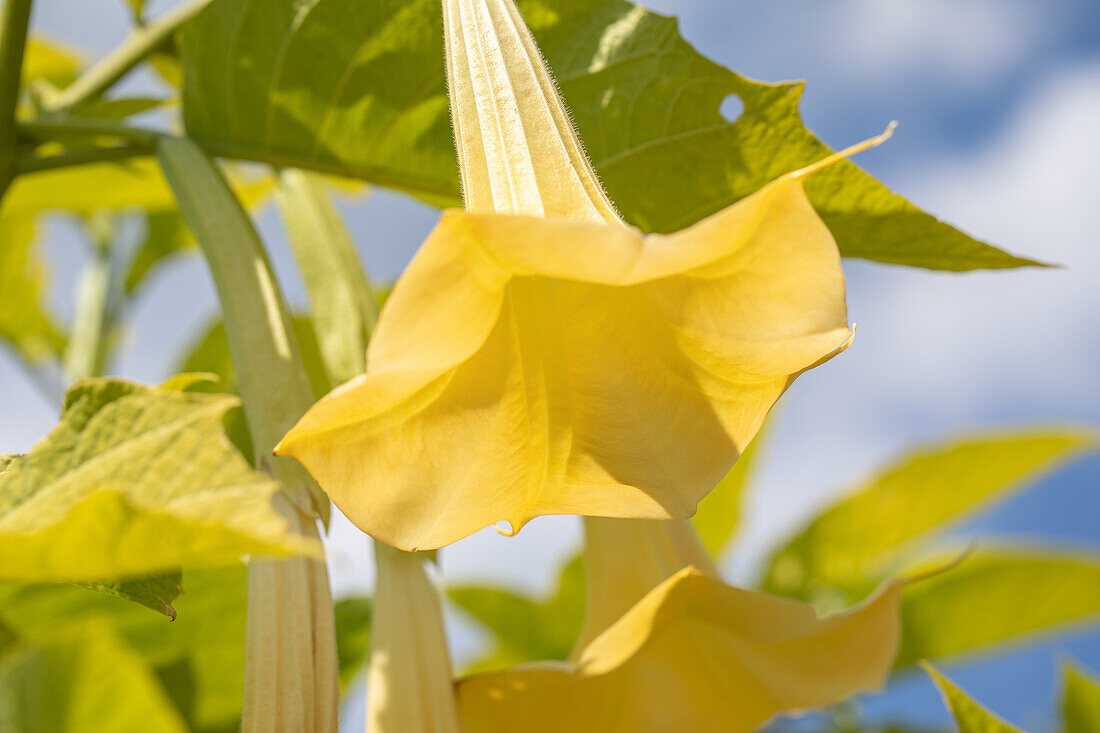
352 636
153 591
85 189
81 679
1080 700
47 59
359 90
198 658
962 610
719 512
862 538
135 480
25 323
526 629
971 717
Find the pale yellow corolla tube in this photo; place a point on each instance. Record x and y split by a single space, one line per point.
694 655
529 364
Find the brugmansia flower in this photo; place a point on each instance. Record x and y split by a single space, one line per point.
531 364
694 655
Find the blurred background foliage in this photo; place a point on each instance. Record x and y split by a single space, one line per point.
376 112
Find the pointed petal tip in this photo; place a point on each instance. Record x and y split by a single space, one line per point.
848 152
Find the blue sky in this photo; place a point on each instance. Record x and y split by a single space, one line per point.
999 105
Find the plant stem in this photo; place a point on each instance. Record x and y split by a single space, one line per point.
290 647
70 158
59 127
142 41
13 41
96 306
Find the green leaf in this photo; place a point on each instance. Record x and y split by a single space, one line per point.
359 90
135 480
1080 699
198 658
209 352
344 309
274 384
82 679
994 597
165 236
25 323
865 537
49 60
971 717
720 511
118 108
86 189
526 629
352 617
153 591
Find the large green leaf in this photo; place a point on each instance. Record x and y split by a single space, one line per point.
198 658
358 89
1080 700
996 597
971 717
81 679
720 511
526 629
868 535
135 480
25 322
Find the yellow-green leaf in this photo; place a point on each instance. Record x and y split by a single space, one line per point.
81 679
1080 699
359 90
135 480
153 591
25 323
995 597
198 658
49 60
971 717
867 535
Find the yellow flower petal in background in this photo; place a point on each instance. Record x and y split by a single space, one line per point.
527 366
695 655
624 559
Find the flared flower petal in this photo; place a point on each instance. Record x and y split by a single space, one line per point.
527 366
695 655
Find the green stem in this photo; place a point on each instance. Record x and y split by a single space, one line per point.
112 67
59 127
96 307
13 41
70 158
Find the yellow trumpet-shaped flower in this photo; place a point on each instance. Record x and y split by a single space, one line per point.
694 655
549 359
